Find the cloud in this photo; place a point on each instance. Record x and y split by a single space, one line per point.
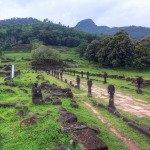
69 12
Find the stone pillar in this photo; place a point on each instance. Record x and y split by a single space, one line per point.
78 82
61 76
88 74
58 74
66 80
71 83
139 82
105 77
36 94
111 91
89 83
54 73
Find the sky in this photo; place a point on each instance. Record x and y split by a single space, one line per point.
112 13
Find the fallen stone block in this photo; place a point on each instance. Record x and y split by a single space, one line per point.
67 117
88 140
140 129
73 126
7 104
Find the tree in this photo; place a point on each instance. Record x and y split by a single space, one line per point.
142 53
91 50
103 52
122 50
43 55
82 47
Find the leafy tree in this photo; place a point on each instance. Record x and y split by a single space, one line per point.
43 55
82 47
103 52
142 53
122 50
91 50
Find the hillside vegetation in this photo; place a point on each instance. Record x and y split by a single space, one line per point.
25 30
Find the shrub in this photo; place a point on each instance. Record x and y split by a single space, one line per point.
43 55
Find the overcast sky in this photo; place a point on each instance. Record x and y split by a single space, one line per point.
69 12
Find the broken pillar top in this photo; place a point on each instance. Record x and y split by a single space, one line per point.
111 89
89 82
78 79
105 75
139 80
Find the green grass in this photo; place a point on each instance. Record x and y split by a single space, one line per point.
46 134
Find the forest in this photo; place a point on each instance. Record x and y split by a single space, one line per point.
25 30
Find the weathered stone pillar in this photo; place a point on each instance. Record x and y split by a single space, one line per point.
89 83
105 77
111 91
36 94
65 80
88 74
61 76
78 82
139 82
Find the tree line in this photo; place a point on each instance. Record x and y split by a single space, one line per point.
118 51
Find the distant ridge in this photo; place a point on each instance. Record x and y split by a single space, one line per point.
20 20
135 32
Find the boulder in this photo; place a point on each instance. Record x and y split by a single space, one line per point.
48 112
28 121
74 105
22 107
67 117
88 140
20 113
10 91
57 102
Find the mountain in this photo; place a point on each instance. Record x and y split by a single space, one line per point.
135 32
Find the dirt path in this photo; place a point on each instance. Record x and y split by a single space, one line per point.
137 107
128 142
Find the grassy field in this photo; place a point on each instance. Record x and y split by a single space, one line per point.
46 134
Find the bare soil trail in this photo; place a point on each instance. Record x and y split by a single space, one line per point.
128 142
127 103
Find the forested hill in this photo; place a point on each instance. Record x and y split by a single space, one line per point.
20 20
25 30
135 32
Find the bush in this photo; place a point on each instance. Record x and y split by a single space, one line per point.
43 55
